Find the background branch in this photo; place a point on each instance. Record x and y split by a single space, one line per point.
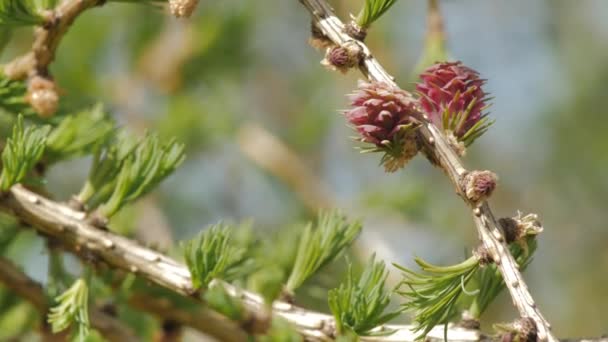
487 227
47 38
22 285
268 152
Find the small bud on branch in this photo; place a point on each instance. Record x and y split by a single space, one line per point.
479 185
342 58
43 96
182 8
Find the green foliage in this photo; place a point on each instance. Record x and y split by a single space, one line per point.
359 306
58 279
17 319
372 11
147 165
72 308
214 254
19 13
126 170
221 301
455 122
490 281
5 37
107 162
279 249
22 151
432 294
267 282
12 96
9 230
274 257
80 134
47 4
319 246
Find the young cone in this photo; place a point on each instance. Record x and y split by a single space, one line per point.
385 116
451 95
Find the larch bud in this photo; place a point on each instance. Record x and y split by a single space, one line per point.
182 8
479 185
342 58
385 116
42 96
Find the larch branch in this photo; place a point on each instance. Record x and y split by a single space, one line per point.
487 227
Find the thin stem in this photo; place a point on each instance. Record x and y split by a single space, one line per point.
436 143
47 38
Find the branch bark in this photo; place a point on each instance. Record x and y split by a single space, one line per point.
487 227
13 278
47 38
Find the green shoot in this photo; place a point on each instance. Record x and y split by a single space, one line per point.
126 169
433 293
107 162
219 300
359 305
19 13
267 282
144 168
214 254
320 246
72 307
12 97
79 134
372 11
22 151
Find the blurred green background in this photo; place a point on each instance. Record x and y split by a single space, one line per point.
238 83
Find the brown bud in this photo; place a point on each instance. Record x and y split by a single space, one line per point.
257 324
479 185
510 229
483 255
526 329
355 31
171 331
468 321
109 308
342 58
518 227
97 220
182 8
42 96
